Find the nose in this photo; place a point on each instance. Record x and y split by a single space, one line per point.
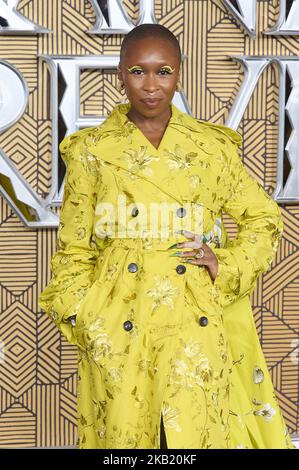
150 83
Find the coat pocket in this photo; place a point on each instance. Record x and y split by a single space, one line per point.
75 319
100 272
102 302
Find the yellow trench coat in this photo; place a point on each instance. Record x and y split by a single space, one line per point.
155 335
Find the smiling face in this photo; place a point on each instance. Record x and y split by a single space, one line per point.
150 70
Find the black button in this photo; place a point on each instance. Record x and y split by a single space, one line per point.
128 325
181 212
135 211
132 267
180 269
203 321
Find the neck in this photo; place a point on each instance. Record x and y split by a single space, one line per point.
149 122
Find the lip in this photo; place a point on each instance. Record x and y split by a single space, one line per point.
151 102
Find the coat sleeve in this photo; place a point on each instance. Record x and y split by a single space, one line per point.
260 228
73 263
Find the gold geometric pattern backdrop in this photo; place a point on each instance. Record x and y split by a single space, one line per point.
38 367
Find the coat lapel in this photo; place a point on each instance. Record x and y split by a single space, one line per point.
121 143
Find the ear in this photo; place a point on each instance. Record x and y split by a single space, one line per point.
119 73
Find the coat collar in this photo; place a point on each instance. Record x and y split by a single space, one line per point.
118 119
120 128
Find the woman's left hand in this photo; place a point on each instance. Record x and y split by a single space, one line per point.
209 259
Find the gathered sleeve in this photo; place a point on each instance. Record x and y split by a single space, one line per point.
73 263
260 228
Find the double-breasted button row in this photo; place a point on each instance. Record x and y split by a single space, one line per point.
180 269
133 268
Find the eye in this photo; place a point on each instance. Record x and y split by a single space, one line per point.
167 72
135 69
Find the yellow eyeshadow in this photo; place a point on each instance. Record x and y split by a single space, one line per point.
168 68
137 67
134 67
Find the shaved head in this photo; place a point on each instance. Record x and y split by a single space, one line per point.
147 31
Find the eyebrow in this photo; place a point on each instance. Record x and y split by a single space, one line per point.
140 65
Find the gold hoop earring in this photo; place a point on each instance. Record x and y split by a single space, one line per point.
178 86
120 85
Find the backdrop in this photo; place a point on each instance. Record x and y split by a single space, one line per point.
37 366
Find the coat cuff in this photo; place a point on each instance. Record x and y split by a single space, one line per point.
230 283
60 312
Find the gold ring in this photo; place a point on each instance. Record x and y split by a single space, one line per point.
200 253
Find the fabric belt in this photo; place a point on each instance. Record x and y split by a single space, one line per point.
144 244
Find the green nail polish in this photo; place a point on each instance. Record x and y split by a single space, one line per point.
177 253
172 246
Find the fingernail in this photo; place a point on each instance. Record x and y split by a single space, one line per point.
172 246
177 253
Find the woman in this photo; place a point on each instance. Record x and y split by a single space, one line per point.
158 302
